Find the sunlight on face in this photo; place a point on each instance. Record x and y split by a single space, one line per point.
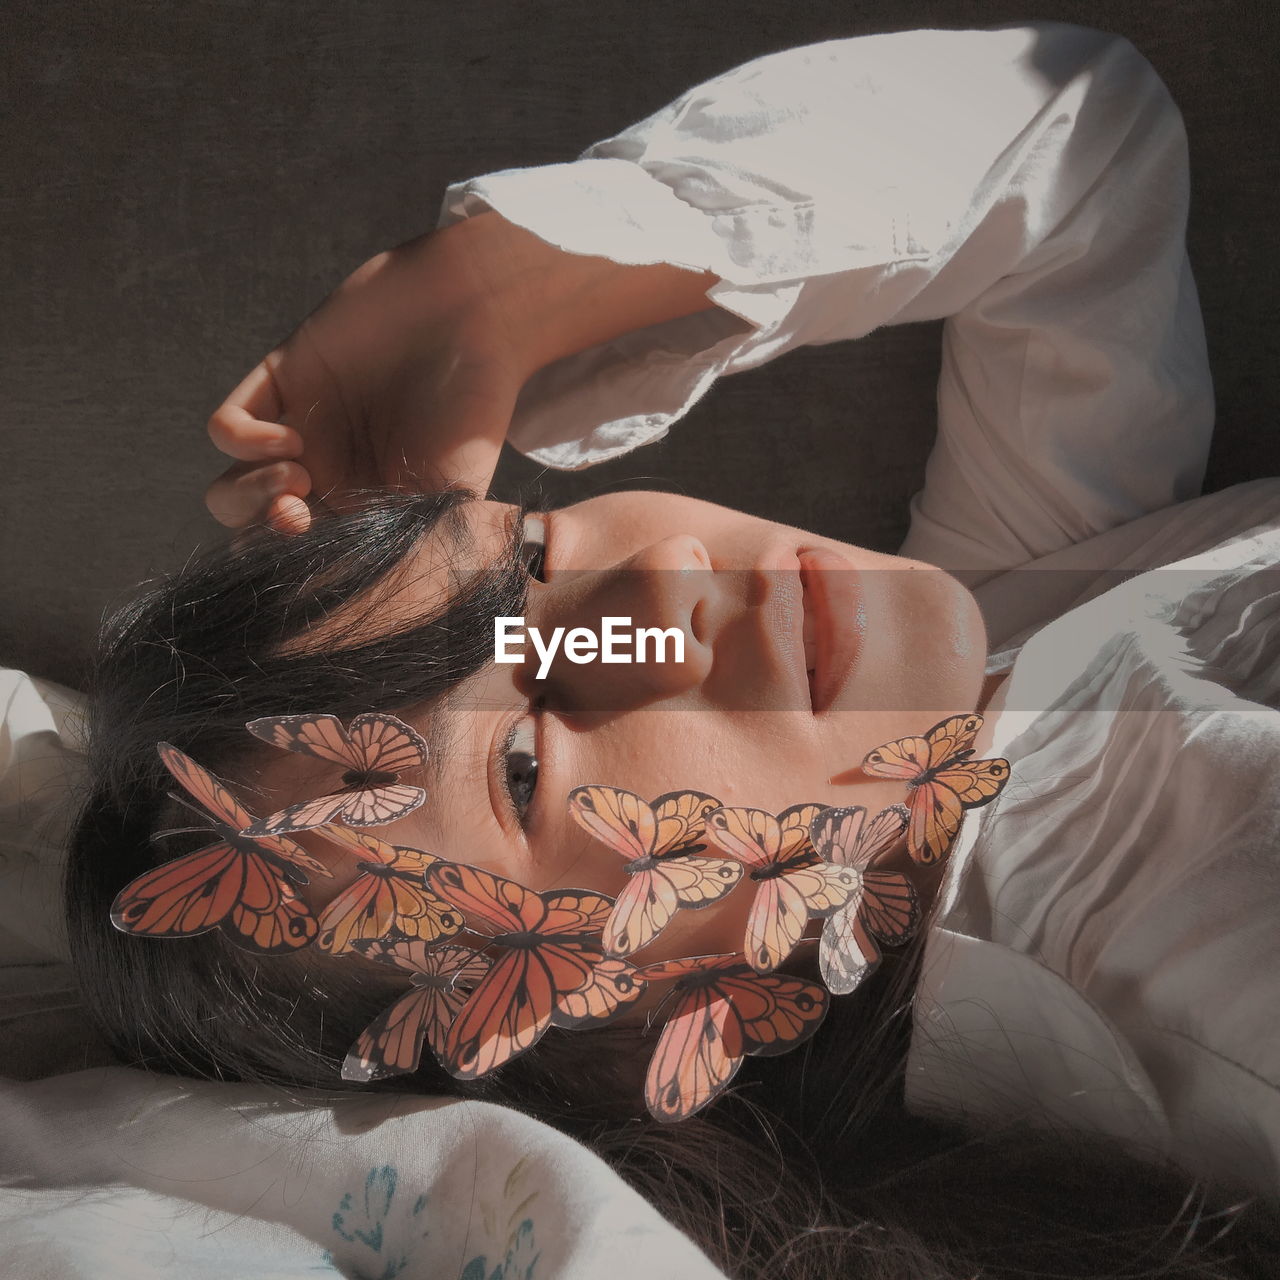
801 654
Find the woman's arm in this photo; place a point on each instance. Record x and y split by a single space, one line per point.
407 374
1028 184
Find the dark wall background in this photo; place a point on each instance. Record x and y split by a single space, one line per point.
181 182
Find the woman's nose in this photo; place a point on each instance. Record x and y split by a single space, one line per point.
633 634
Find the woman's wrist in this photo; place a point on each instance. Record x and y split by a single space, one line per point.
548 303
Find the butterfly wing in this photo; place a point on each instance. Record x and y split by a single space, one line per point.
267 916
385 744
881 834
216 798
822 887
370 848
375 906
450 965
697 1055
847 954
935 818
613 986
574 915
392 1043
653 894
323 811
783 905
363 910
774 925
887 909
641 911
619 819
511 1007
421 914
835 832
889 906
376 806
698 882
906 759
680 817
184 897
380 743
975 782
776 1011
952 737
795 824
321 736
205 787
752 836
487 901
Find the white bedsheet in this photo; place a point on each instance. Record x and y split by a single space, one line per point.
114 1173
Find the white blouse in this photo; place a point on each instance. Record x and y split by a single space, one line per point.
1105 953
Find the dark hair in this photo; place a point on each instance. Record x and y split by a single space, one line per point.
810 1166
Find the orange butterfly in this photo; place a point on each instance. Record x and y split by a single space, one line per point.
441 977
236 884
373 750
794 883
724 1010
551 945
657 840
943 782
388 896
883 907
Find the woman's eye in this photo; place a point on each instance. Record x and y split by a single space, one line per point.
533 549
520 765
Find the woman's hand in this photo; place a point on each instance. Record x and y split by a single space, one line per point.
407 375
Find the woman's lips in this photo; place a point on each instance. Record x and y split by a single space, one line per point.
833 622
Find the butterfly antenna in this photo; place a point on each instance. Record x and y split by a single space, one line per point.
186 804
652 1016
174 831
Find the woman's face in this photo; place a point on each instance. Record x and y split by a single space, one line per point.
894 646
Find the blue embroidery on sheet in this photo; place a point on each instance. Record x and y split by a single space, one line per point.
361 1219
365 1219
519 1264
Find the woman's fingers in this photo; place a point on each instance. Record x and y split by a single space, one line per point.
238 434
251 491
246 425
258 392
289 514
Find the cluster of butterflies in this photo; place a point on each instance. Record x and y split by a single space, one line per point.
533 960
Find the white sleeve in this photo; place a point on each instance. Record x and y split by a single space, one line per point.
1027 183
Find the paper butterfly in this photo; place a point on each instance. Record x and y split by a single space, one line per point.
884 907
723 1011
441 976
657 840
373 750
388 895
794 883
943 782
548 969
236 884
